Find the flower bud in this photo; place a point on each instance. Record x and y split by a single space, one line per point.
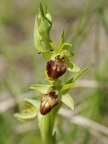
48 101
44 23
55 68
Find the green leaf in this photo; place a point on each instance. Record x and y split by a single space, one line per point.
65 46
67 86
25 116
100 8
71 66
67 99
40 87
81 22
73 79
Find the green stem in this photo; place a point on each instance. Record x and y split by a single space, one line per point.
46 124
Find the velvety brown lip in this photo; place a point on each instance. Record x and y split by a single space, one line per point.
55 68
48 102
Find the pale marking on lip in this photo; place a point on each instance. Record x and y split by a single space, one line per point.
54 67
47 103
58 68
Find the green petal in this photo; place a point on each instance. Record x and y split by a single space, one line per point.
71 66
31 102
67 99
40 87
25 116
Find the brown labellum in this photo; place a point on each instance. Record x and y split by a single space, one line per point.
48 101
55 68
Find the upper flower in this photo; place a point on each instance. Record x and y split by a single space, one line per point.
55 68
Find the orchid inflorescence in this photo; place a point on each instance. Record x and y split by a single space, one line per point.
57 64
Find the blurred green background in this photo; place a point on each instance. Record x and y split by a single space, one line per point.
86 27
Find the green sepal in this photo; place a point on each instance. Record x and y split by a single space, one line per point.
71 66
67 99
65 46
67 86
40 88
30 112
25 116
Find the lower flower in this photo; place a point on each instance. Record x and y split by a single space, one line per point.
48 102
